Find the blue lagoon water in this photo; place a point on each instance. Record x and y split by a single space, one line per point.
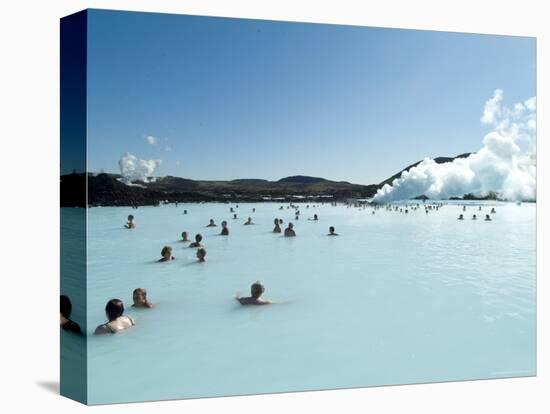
395 299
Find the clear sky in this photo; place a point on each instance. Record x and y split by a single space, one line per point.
234 98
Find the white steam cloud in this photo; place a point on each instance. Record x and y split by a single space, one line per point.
506 164
133 168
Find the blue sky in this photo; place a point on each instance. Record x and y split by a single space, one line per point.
233 98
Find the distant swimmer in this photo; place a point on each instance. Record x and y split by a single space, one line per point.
197 242
493 211
474 217
256 291
235 216
289 231
487 217
277 228
315 217
184 211
140 299
184 237
248 221
281 208
461 217
166 254
231 210
331 231
280 221
225 230
373 212
66 307
117 321
463 208
254 209
212 224
479 209
201 254
131 223
406 211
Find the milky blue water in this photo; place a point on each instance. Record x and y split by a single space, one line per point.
395 299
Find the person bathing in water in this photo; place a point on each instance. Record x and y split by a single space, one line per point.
66 307
184 237
256 291
289 231
461 217
487 217
235 216
201 255
211 224
225 230
277 228
331 231
117 321
166 254
131 223
315 218
140 299
197 242
248 222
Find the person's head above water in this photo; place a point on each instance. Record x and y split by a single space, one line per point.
198 237
257 289
140 298
166 252
184 236
66 307
130 218
224 223
114 309
201 254
331 229
290 225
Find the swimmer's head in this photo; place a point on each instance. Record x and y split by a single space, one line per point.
66 307
257 289
114 309
140 297
276 221
184 235
201 254
211 221
130 218
198 237
290 225
331 229
224 223
166 252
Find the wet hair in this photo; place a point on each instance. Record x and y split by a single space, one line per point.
290 225
66 307
224 223
211 220
130 217
201 252
114 309
331 229
198 237
165 249
276 221
257 289
183 233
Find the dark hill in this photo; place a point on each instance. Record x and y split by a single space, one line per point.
107 190
301 179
